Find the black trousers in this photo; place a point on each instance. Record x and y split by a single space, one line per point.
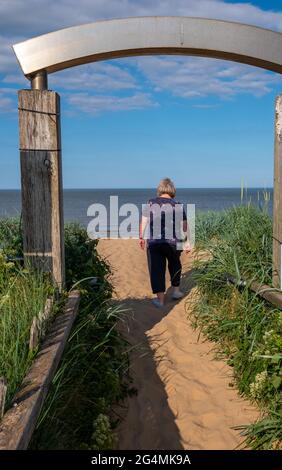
158 254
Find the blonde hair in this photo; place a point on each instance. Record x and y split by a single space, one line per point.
166 186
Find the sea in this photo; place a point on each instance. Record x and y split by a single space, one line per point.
77 201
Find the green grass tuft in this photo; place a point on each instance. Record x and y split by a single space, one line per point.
247 329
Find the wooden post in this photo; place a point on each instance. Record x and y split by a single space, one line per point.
41 178
277 196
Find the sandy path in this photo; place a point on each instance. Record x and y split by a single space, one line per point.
184 398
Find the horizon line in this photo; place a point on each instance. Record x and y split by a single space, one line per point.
152 187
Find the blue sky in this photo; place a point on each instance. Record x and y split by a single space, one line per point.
204 122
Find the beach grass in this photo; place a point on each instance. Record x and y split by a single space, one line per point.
78 413
93 374
22 296
246 329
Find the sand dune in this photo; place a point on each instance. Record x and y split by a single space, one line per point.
184 398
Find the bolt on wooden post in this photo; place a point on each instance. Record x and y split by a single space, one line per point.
277 197
41 180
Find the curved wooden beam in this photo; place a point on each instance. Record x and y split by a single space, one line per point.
147 36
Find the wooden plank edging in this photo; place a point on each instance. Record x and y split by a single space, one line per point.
18 423
268 293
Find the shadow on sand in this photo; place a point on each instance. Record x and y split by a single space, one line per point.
147 420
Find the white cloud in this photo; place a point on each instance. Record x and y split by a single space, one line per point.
192 77
6 104
185 77
6 100
16 78
31 17
95 104
100 76
180 76
205 106
8 61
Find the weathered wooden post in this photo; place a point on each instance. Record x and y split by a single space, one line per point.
41 178
277 196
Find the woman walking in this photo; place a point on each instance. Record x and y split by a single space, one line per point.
164 226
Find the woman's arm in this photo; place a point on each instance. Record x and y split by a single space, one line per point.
142 228
187 245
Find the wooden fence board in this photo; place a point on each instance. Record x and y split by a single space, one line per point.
18 423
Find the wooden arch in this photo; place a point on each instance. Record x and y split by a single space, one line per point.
40 141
